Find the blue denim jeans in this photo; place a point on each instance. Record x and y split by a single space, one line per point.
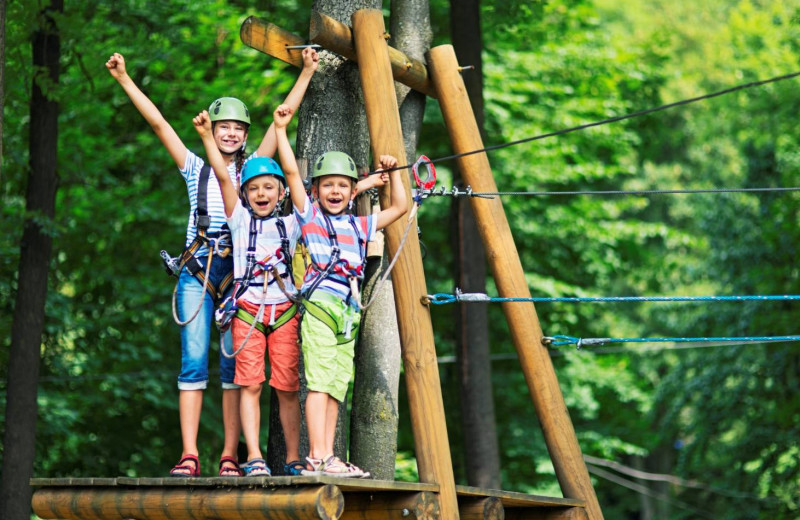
196 335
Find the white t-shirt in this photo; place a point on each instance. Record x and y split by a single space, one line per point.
268 242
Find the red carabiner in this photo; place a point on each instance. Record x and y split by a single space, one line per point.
430 179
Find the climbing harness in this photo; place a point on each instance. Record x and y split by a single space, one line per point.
229 308
337 264
218 243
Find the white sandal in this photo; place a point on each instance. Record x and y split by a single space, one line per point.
317 466
343 469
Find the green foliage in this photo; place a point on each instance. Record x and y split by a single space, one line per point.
723 417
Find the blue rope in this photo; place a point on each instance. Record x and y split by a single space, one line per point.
444 298
561 340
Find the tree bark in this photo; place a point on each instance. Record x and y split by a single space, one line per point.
19 440
481 454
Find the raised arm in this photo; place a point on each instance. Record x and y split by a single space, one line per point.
202 124
399 204
269 144
282 116
165 132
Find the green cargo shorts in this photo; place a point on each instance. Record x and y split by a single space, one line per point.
328 331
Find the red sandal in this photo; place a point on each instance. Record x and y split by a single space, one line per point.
227 471
186 470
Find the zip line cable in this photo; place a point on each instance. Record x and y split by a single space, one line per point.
631 115
560 340
489 194
444 298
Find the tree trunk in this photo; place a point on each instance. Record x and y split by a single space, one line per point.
331 117
482 459
2 77
19 440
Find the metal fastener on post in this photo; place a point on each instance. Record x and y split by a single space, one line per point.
309 45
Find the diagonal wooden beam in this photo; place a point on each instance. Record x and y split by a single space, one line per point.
333 36
271 40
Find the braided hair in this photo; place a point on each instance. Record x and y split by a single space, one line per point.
239 160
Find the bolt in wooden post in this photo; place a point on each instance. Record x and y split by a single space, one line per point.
414 321
559 434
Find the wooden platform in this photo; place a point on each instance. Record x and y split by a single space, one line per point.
280 498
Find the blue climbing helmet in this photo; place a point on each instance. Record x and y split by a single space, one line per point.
258 166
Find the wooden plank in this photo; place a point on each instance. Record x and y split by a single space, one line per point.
391 506
414 321
337 37
516 499
86 481
480 508
324 502
345 484
272 40
526 332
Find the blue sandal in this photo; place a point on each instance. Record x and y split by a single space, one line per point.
256 468
294 468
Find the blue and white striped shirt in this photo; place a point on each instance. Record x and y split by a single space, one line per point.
216 208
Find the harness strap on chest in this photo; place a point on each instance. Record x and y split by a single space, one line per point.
251 270
323 273
201 219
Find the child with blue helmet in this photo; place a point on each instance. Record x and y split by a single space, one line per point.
265 318
204 270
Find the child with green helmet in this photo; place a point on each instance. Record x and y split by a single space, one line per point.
336 241
263 245
208 269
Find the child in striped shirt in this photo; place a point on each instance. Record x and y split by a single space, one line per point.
336 241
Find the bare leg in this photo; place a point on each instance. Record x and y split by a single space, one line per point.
251 419
190 403
289 403
331 418
231 424
316 410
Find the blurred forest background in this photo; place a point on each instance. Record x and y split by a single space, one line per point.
718 424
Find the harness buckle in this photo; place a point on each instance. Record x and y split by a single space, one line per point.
171 264
225 313
202 222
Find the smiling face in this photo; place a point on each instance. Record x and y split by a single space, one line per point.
230 136
263 194
334 193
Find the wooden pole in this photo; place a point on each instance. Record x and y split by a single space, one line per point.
308 503
413 318
509 276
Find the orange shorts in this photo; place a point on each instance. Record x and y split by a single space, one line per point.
282 345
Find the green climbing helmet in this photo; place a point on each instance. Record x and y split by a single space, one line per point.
229 109
335 163
258 166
